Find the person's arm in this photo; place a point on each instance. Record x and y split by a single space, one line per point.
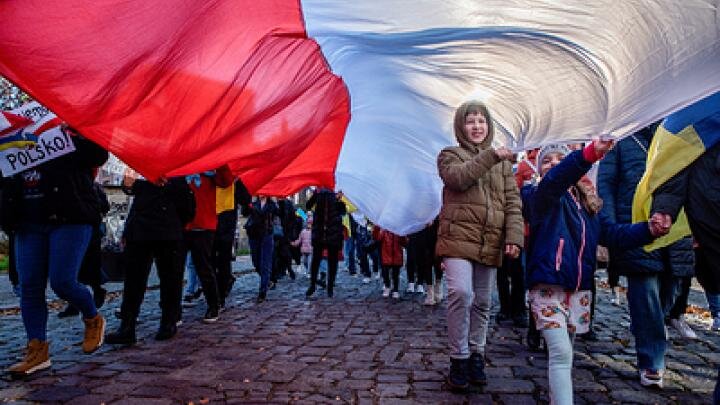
670 197
607 183
624 236
460 176
514 224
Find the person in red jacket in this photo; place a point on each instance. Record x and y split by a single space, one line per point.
391 248
200 233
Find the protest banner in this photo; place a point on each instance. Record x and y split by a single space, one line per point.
51 144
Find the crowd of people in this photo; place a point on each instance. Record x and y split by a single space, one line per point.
529 230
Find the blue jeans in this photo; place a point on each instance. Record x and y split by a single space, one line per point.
192 277
55 252
261 250
647 320
350 255
713 303
674 292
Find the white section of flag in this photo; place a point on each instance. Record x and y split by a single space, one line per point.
550 71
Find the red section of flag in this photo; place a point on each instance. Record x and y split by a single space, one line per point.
179 87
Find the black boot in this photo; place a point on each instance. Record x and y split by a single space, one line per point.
457 379
476 369
167 330
125 335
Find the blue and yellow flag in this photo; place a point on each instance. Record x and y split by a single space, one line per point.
679 140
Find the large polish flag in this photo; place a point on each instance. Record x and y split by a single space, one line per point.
355 95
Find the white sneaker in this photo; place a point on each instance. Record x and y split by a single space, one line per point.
411 288
651 378
366 280
419 289
683 328
438 291
715 324
396 295
377 276
616 299
386 292
430 297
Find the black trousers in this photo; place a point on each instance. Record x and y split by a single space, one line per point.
511 287
222 265
395 270
90 272
169 260
412 266
332 258
200 245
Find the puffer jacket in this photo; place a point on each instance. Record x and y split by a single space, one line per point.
563 235
304 241
328 211
619 174
391 247
481 208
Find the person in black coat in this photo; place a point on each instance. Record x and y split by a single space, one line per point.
697 189
154 232
652 276
259 228
327 234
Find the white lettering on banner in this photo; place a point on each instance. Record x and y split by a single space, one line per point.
51 144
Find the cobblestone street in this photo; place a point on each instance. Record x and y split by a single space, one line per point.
354 348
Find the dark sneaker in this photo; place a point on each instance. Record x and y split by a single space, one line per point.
310 291
125 335
211 316
166 331
476 369
261 297
457 379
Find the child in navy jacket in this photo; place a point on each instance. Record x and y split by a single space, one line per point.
565 228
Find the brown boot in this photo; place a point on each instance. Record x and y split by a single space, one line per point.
94 333
36 359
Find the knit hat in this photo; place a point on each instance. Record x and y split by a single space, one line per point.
554 148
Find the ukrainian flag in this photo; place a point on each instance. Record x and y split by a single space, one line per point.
679 140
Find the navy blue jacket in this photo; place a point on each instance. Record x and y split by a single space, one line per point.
563 240
618 177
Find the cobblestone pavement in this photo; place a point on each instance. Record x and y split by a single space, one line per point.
357 347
